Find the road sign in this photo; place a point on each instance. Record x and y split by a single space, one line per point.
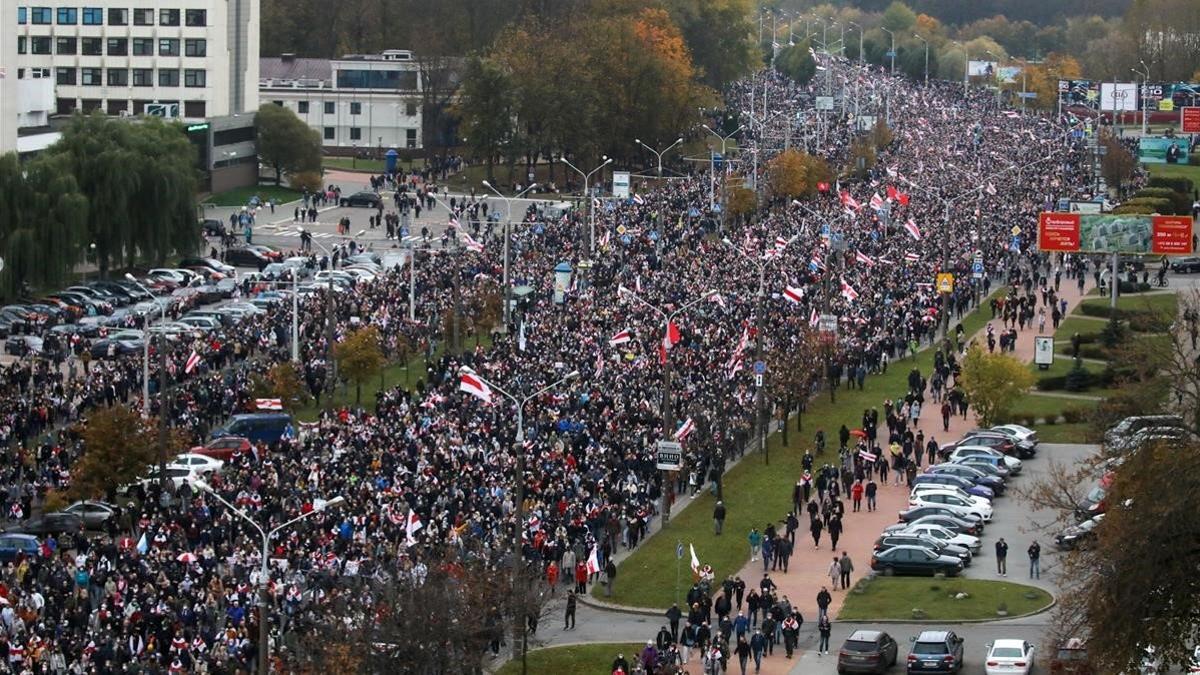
977 270
621 230
945 282
760 367
621 184
828 323
1016 231
824 103
679 551
670 455
758 380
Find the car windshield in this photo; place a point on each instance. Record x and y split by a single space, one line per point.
929 648
858 646
1007 652
1096 494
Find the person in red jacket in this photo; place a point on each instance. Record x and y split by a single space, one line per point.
581 577
552 575
856 493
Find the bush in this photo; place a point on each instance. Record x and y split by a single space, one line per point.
1093 351
1158 204
1176 183
1132 210
1194 159
1052 383
1075 415
1182 203
1078 379
306 180
1115 332
1129 289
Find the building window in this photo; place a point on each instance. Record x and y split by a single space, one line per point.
143 77
278 103
143 17
118 77
66 46
117 106
118 47
68 16
329 133
168 47
330 107
21 48
355 108
355 134
302 107
410 109
22 15
118 16
93 16
39 45
64 76
410 138
143 46
91 46
39 16
39 73
196 17
168 78
168 17
90 77
194 109
195 47
194 78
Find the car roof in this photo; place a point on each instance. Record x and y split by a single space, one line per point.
14 535
1008 642
933 636
866 635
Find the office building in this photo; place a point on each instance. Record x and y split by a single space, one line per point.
8 78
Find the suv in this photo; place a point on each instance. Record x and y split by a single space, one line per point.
1186 264
867 651
256 427
1071 658
936 651
362 199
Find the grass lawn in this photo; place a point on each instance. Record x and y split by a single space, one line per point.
350 163
756 493
896 597
1077 324
1033 406
1062 365
1063 433
240 196
1176 171
590 658
1165 303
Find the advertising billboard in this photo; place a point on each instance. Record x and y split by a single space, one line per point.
1162 150
981 69
1189 120
1108 233
621 184
1119 96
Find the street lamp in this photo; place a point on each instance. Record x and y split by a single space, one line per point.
162 307
507 225
668 493
860 41
1145 92
966 65
892 53
996 75
657 153
264 573
926 57
591 210
712 181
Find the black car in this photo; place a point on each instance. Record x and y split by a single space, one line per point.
911 514
211 227
952 523
1079 535
972 474
867 651
246 257
914 560
1006 444
51 523
109 348
936 651
891 540
1186 265
362 199
12 322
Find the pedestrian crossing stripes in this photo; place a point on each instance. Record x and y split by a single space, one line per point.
296 233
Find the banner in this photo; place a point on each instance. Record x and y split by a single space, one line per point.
1189 120
621 184
981 69
1108 233
1119 96
1153 150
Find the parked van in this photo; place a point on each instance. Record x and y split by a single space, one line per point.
257 427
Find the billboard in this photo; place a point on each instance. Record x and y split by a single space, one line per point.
1107 233
621 184
1119 96
981 69
1189 120
1162 150
1008 74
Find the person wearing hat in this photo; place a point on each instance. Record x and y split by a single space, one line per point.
718 517
620 664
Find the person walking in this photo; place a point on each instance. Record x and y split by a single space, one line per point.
673 616
610 576
755 538
835 572
824 628
815 529
791 631
758 643
1035 561
870 491
856 495
718 518
1002 557
569 619
835 531
847 566
823 601
743 652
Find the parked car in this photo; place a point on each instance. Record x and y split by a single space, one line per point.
1017 432
944 535
936 651
224 448
201 323
1186 264
56 523
951 523
201 464
913 513
867 651
95 514
208 263
1094 502
1002 442
954 481
895 539
365 198
245 256
257 427
21 345
1009 657
117 345
13 546
989 465
212 227
914 560
1071 658
1131 425
177 475
1011 463
954 501
1167 434
1080 534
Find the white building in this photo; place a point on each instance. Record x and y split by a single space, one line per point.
369 102
8 79
193 59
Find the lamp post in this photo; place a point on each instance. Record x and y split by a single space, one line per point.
146 349
860 41
712 180
519 488
893 50
1145 92
926 57
761 264
330 321
591 209
668 492
966 66
658 154
996 75
264 652
507 226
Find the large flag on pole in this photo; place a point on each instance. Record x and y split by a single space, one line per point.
470 382
793 293
620 338
593 562
670 338
695 560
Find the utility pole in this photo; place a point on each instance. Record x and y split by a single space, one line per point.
164 411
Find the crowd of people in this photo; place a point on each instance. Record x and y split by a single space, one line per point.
171 586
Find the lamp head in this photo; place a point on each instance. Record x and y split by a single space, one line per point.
487 184
533 185
202 484
360 233
573 374
637 140
336 501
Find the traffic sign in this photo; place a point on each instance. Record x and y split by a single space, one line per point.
945 282
760 367
758 380
828 323
670 455
977 270
1016 231
679 551
621 230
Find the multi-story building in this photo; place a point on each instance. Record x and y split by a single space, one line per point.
8 79
192 59
360 102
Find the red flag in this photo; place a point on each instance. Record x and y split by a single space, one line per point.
892 193
902 197
670 339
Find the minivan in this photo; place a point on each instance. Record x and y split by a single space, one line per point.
257 427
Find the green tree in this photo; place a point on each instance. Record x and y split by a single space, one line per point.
795 174
797 62
43 223
993 382
898 18
718 35
283 382
485 107
285 142
359 357
118 447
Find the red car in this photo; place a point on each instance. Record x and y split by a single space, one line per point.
224 448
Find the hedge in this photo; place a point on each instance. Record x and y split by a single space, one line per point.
1182 203
1132 209
1176 183
1159 205
1194 159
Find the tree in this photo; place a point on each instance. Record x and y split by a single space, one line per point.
283 382
43 223
740 201
793 369
898 18
718 36
488 310
486 109
795 174
862 156
359 357
1118 164
881 135
285 142
118 446
993 382
1043 78
797 62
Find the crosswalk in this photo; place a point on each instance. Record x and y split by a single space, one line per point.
296 233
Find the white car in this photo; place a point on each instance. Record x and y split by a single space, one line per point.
1009 657
951 501
178 475
937 487
1011 463
201 464
1017 432
201 323
972 544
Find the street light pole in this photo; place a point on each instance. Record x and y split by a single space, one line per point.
668 492
507 236
712 165
162 308
893 51
587 197
1145 92
860 41
264 573
660 154
926 57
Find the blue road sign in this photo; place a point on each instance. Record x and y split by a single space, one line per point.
760 367
679 551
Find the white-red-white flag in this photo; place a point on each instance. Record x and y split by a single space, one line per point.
684 429
912 257
793 293
593 562
268 404
470 382
671 338
876 201
718 299
910 226
471 243
620 338
849 201
848 291
989 188
863 258
192 362
866 456
411 525
814 318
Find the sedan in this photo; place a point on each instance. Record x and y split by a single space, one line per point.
1017 432
1078 535
911 514
246 257
209 263
201 464
970 498
945 535
1002 442
948 522
1186 265
954 481
201 323
95 514
913 539
224 448
56 523
914 560
989 465
1009 657
364 198
955 503
1011 463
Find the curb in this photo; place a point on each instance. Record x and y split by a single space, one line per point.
1041 610
588 600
